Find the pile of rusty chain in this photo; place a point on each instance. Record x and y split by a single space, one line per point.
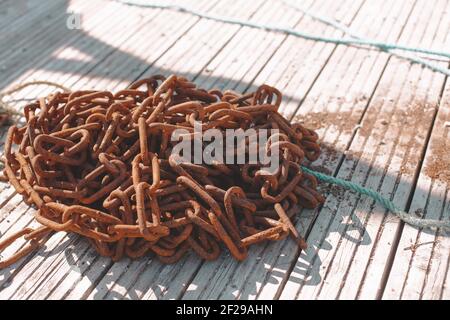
100 165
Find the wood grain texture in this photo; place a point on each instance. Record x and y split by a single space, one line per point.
229 277
421 263
352 238
381 121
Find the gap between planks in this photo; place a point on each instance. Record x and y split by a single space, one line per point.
338 243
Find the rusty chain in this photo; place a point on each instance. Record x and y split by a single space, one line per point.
99 164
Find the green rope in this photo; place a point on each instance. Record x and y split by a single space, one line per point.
385 46
353 40
338 26
402 215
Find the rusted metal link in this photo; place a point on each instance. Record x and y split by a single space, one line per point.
35 241
100 164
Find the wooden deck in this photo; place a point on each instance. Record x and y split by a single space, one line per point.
383 123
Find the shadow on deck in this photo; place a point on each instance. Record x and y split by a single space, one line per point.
108 275
81 259
12 66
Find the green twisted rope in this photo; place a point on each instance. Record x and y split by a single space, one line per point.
385 46
402 215
348 31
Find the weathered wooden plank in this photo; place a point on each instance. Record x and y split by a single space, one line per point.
27 50
156 280
58 60
249 51
85 281
146 276
333 106
100 26
15 215
109 29
82 51
74 272
121 73
183 278
295 76
347 88
384 158
62 281
43 15
446 287
432 36
190 55
177 55
262 274
12 21
421 262
223 278
183 23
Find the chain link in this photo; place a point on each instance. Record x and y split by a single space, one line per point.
99 164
